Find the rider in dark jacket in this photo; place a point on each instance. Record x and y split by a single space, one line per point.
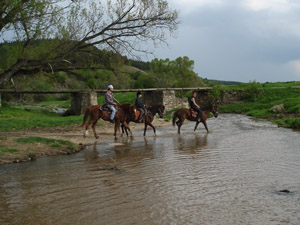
140 106
195 106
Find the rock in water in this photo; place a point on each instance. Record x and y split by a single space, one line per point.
285 191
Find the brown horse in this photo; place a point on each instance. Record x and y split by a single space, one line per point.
148 117
184 113
95 112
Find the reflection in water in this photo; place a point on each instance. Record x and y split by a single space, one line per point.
233 175
191 144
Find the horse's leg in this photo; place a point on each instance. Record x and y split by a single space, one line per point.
122 130
87 127
152 128
179 124
205 125
197 123
123 127
145 129
128 128
117 126
94 129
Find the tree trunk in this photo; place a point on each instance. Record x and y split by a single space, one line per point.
7 75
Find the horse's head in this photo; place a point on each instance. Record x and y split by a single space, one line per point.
161 110
133 114
215 110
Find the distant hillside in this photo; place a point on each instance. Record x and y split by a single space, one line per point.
222 82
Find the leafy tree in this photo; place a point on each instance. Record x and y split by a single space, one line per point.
176 73
74 27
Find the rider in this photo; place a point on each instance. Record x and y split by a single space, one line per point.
110 101
140 105
195 106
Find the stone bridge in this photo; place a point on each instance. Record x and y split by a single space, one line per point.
81 99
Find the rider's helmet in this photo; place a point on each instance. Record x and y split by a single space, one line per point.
138 93
110 86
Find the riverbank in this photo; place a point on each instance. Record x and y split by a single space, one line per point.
280 105
20 146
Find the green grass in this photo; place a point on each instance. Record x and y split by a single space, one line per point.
54 143
16 118
4 150
123 98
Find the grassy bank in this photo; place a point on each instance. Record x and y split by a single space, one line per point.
22 118
260 98
30 148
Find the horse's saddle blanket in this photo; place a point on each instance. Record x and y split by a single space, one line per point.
194 113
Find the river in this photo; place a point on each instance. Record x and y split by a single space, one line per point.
233 175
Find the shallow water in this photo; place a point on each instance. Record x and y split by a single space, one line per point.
233 175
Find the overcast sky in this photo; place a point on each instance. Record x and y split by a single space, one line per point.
238 40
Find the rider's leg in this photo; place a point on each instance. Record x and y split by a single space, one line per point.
141 114
199 113
113 112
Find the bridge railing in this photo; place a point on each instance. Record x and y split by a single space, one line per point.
11 91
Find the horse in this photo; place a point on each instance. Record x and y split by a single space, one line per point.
124 113
148 117
184 113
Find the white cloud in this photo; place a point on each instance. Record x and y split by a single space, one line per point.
188 6
281 6
295 66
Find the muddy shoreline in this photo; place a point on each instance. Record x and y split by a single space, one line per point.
74 134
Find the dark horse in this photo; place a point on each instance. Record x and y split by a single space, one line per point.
124 113
184 113
148 117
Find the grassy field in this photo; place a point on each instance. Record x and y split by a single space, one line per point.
261 97
20 118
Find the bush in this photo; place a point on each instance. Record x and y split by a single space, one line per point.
253 92
61 77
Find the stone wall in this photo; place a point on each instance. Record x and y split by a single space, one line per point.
166 98
170 101
81 101
232 96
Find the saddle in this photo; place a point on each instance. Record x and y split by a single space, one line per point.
105 108
194 113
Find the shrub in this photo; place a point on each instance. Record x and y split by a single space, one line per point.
253 92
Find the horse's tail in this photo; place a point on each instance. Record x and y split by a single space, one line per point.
174 118
86 116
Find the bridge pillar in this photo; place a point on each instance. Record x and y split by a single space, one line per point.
80 101
166 98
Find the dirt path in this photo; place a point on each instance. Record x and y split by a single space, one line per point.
30 151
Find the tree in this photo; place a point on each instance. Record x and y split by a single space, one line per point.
175 73
65 28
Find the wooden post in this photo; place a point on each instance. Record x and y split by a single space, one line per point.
80 101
